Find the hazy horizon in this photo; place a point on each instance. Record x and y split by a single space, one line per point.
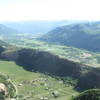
22 10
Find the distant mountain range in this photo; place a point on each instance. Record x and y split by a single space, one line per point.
38 26
5 30
80 35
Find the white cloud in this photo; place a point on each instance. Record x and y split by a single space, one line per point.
50 10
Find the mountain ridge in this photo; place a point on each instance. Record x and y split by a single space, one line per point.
83 35
45 62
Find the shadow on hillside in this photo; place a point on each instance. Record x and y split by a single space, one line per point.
34 60
44 62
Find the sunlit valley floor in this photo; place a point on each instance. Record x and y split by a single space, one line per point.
68 52
36 85
42 70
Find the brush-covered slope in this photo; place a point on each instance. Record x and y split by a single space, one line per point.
83 35
3 46
45 62
92 94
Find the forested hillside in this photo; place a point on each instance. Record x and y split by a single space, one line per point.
45 62
92 94
83 35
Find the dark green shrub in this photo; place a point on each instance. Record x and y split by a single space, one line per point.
91 94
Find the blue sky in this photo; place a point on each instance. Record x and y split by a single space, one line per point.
17 10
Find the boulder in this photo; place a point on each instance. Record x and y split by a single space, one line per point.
3 89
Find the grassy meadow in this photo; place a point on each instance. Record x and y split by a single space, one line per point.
34 85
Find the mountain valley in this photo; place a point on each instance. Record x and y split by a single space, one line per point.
57 65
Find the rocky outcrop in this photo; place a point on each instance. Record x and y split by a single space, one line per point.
3 89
